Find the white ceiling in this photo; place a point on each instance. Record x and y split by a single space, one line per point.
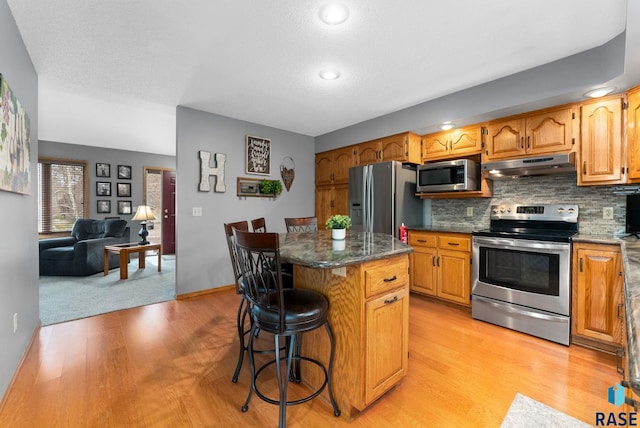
259 60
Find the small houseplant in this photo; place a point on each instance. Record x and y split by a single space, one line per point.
338 224
270 187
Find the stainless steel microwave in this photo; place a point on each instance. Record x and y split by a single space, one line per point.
448 176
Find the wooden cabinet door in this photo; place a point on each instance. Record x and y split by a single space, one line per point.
435 146
466 141
454 276
324 168
394 147
343 159
550 132
633 135
505 139
387 339
598 294
324 196
339 203
368 153
601 142
423 270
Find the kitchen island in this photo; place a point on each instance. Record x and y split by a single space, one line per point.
366 280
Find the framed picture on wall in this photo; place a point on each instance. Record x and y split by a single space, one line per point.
103 169
124 190
103 188
258 154
124 207
124 172
104 206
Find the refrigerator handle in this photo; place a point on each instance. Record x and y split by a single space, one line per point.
371 200
365 200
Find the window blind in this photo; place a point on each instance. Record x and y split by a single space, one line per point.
62 188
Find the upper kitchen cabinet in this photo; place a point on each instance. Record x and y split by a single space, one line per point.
633 136
449 144
542 132
332 167
403 147
601 142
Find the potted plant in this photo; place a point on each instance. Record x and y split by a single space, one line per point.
338 224
270 187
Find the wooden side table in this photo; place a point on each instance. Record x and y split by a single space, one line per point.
124 250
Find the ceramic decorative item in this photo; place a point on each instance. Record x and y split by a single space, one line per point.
338 234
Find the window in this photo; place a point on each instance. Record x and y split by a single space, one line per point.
63 193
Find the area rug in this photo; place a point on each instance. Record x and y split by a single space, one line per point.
65 298
526 412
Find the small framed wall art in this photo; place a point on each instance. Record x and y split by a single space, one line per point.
103 169
124 207
258 154
104 206
124 190
124 172
103 188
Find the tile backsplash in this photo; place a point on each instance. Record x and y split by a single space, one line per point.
561 189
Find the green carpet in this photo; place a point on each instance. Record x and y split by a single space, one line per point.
65 298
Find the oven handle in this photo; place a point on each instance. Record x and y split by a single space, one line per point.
506 243
514 310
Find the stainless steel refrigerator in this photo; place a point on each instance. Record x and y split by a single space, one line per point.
382 197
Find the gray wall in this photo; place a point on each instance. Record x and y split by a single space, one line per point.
18 215
203 257
114 157
551 84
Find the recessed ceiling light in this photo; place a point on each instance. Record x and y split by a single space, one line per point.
600 92
334 13
329 74
447 126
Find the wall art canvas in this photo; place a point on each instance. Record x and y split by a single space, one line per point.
15 146
258 156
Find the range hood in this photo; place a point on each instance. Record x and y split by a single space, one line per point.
525 167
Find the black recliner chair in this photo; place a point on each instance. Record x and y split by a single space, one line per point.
82 253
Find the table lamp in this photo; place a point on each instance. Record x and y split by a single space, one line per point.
143 214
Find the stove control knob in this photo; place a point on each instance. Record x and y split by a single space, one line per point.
501 210
560 210
495 211
509 210
571 210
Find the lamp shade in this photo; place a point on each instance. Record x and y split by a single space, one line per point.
143 214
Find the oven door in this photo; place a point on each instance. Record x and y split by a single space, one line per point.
530 273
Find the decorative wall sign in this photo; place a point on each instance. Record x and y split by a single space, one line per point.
287 174
258 156
15 146
207 171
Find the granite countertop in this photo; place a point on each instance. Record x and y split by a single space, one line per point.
318 250
630 247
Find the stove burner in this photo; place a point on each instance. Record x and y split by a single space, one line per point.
546 222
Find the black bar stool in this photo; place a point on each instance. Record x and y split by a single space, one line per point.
281 311
243 307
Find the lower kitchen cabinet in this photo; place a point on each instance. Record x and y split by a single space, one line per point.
597 296
440 265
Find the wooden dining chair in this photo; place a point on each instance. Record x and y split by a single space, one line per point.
301 224
259 225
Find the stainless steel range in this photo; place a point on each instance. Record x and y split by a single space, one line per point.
521 269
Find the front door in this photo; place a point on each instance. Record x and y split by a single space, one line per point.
168 212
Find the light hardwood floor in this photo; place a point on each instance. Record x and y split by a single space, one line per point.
170 365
